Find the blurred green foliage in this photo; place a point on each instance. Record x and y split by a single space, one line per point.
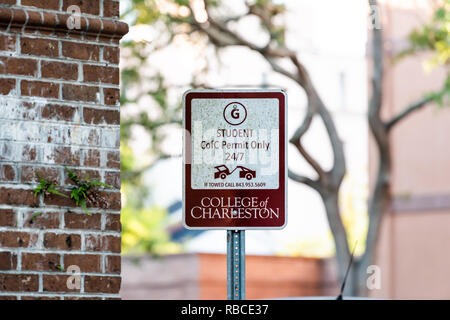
434 37
144 230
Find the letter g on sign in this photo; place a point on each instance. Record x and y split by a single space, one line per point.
235 113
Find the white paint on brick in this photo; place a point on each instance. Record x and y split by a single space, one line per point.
96 233
13 99
26 21
111 138
82 284
18 46
47 155
89 244
103 158
52 208
13 109
44 251
103 264
27 131
10 151
102 50
103 222
61 81
19 260
80 72
89 136
41 283
59 134
7 130
39 72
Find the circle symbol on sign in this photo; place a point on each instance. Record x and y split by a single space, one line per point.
235 113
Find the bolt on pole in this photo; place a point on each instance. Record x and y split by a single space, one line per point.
236 264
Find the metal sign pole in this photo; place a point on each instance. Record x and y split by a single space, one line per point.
236 264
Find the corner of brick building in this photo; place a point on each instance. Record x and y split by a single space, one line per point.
59 106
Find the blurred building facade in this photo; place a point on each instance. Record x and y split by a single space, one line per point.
413 250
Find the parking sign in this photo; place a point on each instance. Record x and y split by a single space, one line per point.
234 166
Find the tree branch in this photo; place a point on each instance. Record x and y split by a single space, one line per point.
305 180
312 162
301 130
297 136
277 68
407 111
339 168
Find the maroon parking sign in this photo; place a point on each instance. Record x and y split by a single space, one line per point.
234 159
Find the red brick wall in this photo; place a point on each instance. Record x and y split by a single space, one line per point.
59 105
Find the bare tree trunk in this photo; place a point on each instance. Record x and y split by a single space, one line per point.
378 206
331 202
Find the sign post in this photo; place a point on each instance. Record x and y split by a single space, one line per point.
236 264
235 172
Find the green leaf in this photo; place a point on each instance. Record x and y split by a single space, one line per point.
39 177
37 190
72 175
83 205
74 195
52 190
43 186
34 216
96 183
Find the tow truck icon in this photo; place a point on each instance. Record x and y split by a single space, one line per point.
244 173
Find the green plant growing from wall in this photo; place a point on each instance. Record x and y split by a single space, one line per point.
46 187
35 216
85 190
